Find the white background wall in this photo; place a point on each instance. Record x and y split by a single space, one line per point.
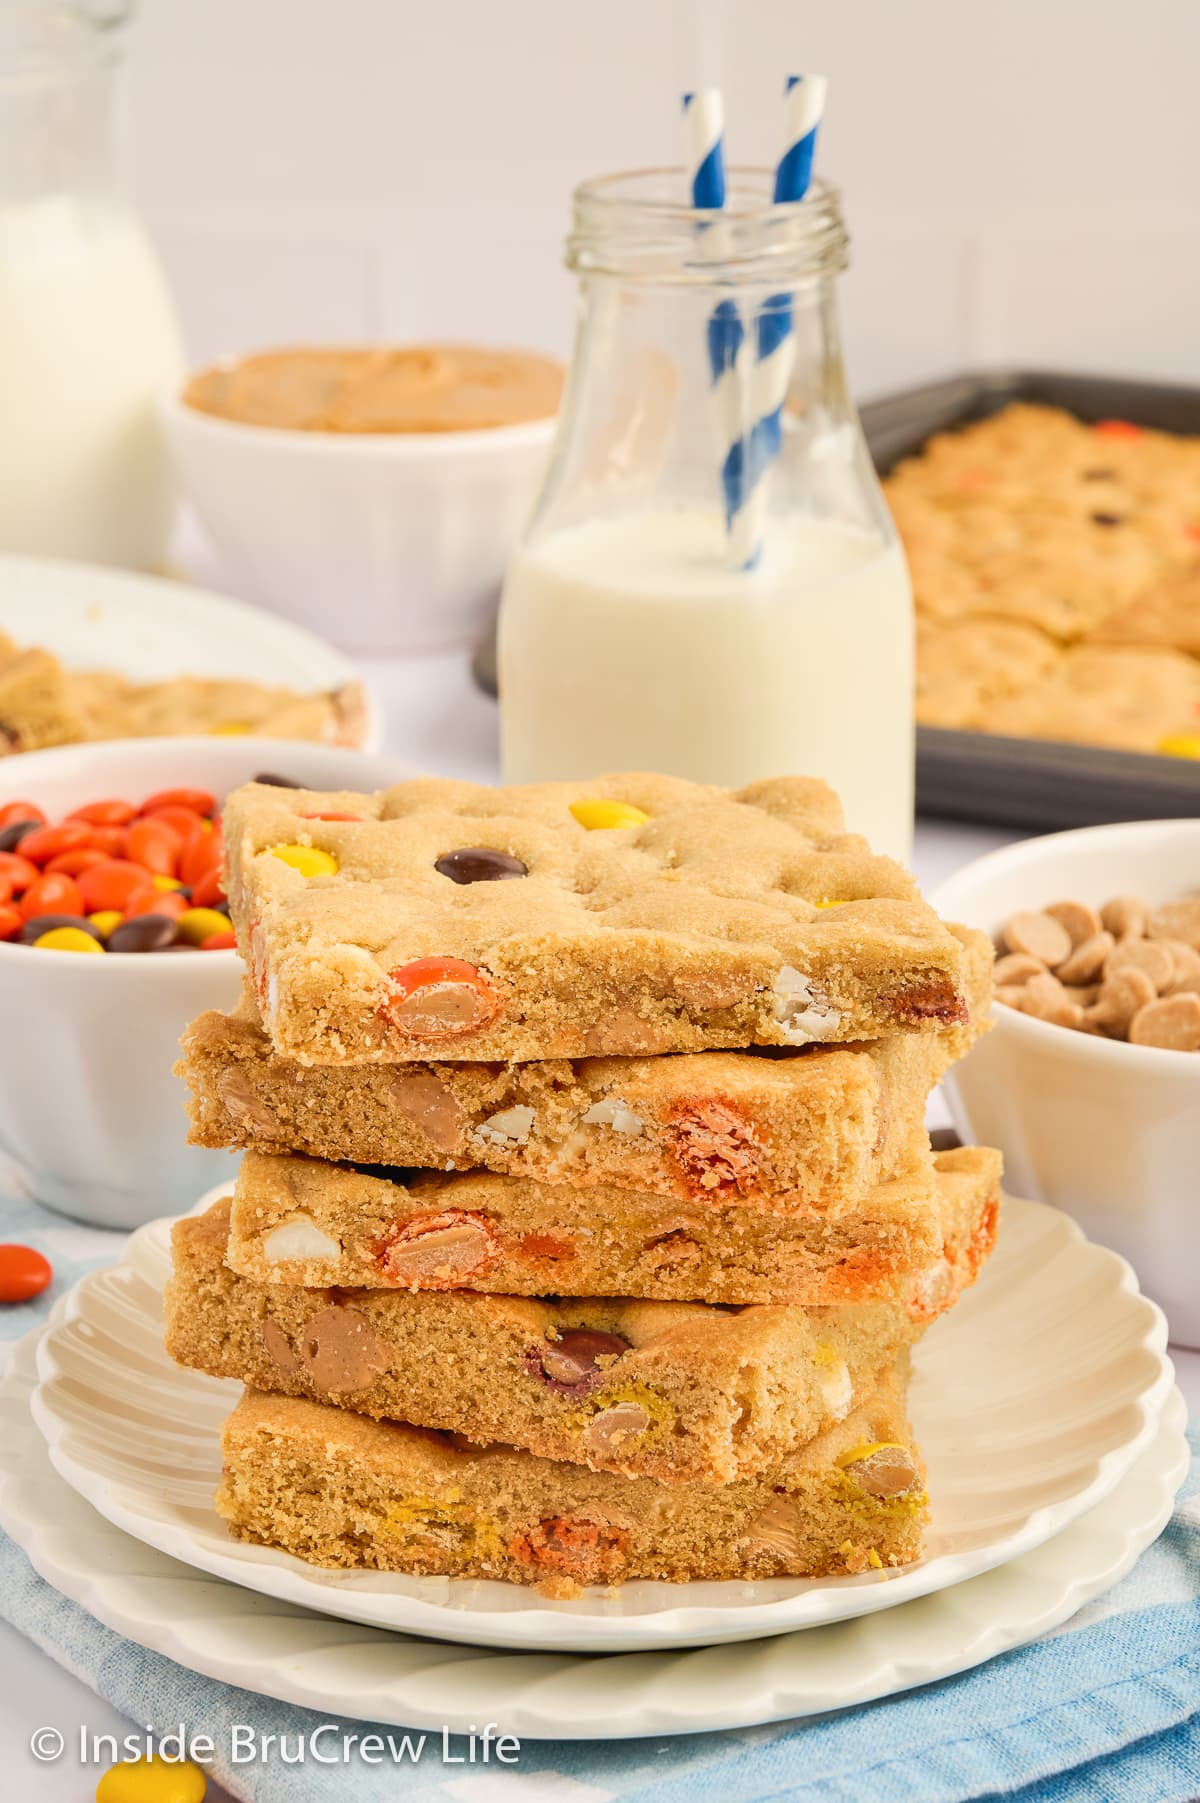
1022 180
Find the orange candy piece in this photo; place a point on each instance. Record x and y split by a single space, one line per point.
219 942
105 813
53 894
46 842
209 890
440 998
199 801
204 855
1117 428
12 811
23 1273
74 863
11 920
16 871
172 904
155 845
115 884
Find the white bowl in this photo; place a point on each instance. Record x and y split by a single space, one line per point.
1108 1131
92 1121
385 542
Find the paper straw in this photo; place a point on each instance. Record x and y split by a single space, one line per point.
774 335
726 336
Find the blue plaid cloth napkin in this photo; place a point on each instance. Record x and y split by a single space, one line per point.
1107 1710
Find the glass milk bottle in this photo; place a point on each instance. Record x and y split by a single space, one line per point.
88 336
710 584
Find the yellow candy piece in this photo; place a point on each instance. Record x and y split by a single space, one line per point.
229 729
309 860
68 939
873 1559
1180 745
106 921
152 1781
605 815
199 924
166 883
826 903
864 1450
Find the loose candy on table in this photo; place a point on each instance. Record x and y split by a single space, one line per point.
24 1273
152 1780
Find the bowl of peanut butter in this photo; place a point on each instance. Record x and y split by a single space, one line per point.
373 493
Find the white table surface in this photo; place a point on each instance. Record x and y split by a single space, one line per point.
436 720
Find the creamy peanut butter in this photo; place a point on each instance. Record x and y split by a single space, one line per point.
414 388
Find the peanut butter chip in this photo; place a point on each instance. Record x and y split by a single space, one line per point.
1086 960
889 1471
1046 999
612 1428
1145 955
440 1252
424 1098
1177 920
1125 916
1173 1023
1038 936
342 1352
1121 996
1080 921
1017 967
1187 966
279 1348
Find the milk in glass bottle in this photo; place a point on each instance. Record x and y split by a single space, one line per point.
88 336
647 626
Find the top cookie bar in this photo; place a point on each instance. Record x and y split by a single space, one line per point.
629 915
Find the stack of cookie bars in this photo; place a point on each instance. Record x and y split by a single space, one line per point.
587 1216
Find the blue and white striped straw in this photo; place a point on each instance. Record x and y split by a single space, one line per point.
726 337
774 335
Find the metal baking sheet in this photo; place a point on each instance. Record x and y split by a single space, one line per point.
1034 783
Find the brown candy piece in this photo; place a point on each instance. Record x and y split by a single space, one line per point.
247 1109
32 930
1171 1023
612 1429
440 1252
279 1348
442 1010
887 1471
1039 936
480 864
572 1362
425 1099
776 1529
15 831
144 933
342 1352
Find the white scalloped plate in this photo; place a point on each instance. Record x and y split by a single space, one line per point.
1030 1401
279 1650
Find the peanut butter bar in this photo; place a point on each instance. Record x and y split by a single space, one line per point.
43 704
300 1221
811 1127
633 915
337 1489
1133 698
670 1390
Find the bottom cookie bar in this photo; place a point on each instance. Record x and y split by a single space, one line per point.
341 1490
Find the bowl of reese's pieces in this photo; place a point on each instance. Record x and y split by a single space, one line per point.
375 494
1089 1081
113 937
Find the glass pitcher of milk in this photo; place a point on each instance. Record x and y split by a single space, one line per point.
710 584
88 335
